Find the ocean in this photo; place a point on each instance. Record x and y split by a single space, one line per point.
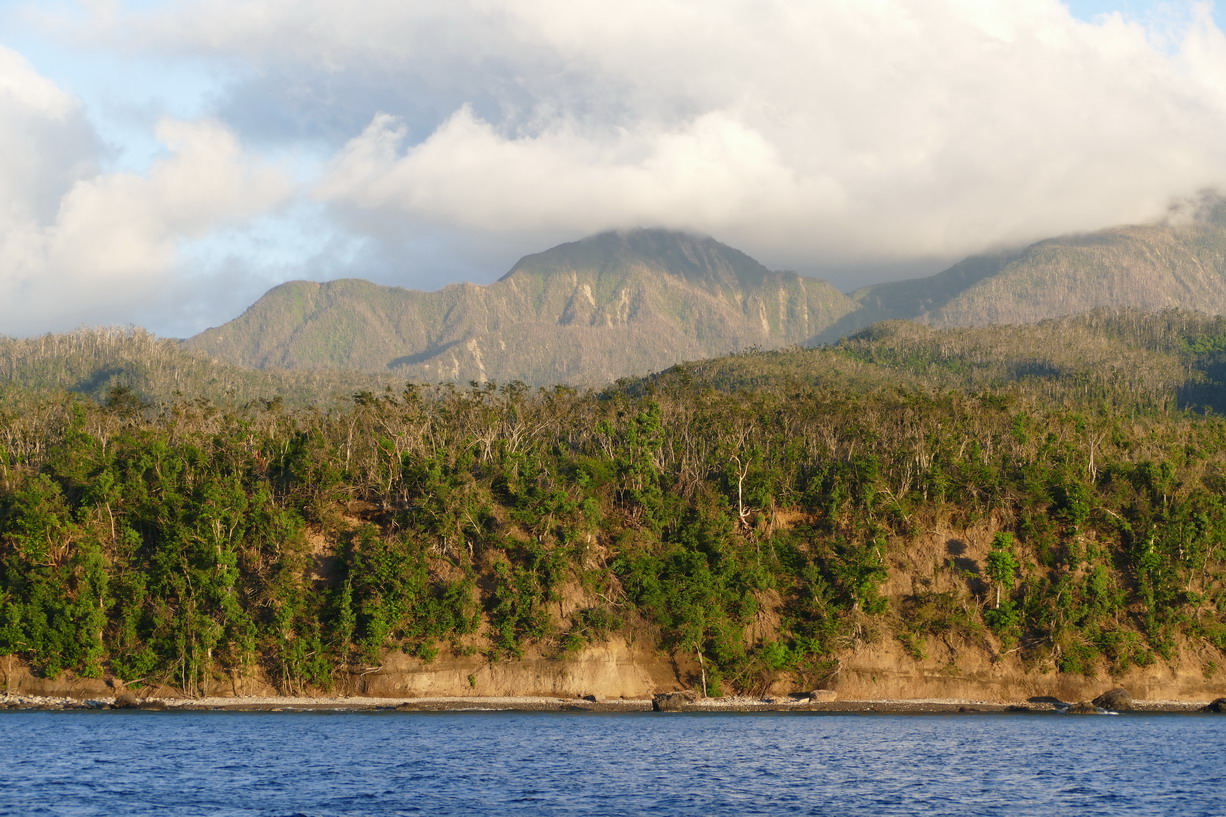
208 764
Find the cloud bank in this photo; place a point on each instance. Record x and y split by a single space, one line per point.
849 131
817 136
81 246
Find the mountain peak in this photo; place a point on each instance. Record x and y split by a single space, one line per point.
696 259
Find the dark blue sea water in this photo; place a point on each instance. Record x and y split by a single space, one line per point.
328 765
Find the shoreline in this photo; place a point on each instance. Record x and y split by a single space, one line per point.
919 706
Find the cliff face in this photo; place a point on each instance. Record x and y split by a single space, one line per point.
879 671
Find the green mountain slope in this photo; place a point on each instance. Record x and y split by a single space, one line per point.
1168 359
588 312
1177 265
132 366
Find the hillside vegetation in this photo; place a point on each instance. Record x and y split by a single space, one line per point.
131 365
1052 495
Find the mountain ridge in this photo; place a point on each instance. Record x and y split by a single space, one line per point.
1175 264
626 303
587 312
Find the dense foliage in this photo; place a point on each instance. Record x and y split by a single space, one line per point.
746 513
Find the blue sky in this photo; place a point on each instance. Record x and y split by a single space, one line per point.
1136 9
165 163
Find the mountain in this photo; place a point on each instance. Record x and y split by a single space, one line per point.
587 312
624 304
1179 264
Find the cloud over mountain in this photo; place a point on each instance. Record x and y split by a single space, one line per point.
851 131
435 139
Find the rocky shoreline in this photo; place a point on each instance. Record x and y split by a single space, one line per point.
665 702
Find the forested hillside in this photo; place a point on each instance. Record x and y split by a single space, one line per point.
1052 496
130 364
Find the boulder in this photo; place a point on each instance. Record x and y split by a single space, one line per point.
1217 707
1117 700
125 700
823 696
671 701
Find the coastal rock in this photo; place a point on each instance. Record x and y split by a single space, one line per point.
671 701
1083 708
1054 702
1117 700
823 696
1218 707
125 700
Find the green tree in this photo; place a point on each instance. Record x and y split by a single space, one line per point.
1002 564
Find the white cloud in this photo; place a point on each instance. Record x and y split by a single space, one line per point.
811 134
713 170
78 245
45 142
854 131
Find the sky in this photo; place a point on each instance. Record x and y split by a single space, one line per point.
165 162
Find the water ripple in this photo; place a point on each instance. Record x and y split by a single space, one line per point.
87 764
